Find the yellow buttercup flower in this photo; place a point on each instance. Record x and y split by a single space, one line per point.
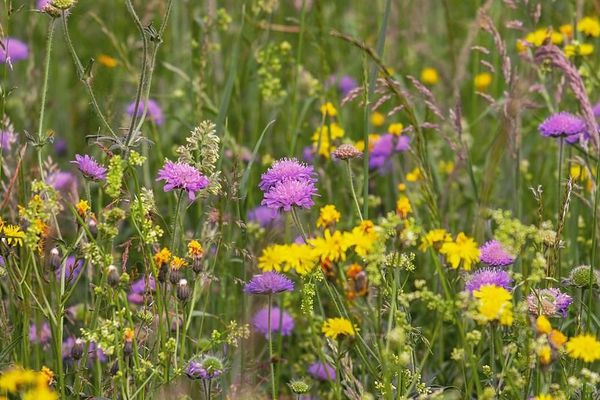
162 257
330 246
589 26
403 207
334 327
107 61
429 76
494 304
463 251
273 258
395 128
328 109
482 81
328 215
584 347
434 238
542 325
578 49
377 119
13 234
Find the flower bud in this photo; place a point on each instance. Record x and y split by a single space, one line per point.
299 386
77 349
175 275
92 226
113 276
54 259
183 291
580 276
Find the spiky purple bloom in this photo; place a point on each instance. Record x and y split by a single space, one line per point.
264 216
493 254
564 124
72 266
284 170
40 334
346 84
90 167
206 368
549 302
290 193
7 138
12 50
182 176
139 288
153 111
488 276
384 148
269 283
62 181
322 371
260 321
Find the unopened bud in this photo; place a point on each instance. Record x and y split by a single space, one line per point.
183 291
113 276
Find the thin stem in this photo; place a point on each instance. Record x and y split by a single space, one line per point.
298 224
593 256
40 142
558 194
349 169
270 336
176 216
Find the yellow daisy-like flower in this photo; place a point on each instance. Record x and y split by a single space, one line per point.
578 172
128 335
330 246
429 76
434 238
403 207
543 397
463 251
542 325
494 304
395 128
482 81
47 374
401 187
301 258
578 49
362 237
323 137
414 175
328 215
273 258
557 338
377 119
328 109
584 347
107 61
82 207
162 257
195 249
40 393
334 327
566 30
545 355
177 262
14 235
589 26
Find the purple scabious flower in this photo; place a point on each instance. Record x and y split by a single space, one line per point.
308 154
290 193
493 254
488 276
205 368
60 147
260 321
564 124
40 334
7 138
549 302
269 283
182 176
72 266
322 371
90 167
264 216
62 181
139 288
12 50
284 170
384 148
346 84
153 111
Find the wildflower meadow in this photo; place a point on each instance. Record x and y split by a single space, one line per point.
300 199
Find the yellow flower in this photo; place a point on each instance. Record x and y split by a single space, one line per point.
334 327
434 238
463 250
47 374
543 397
401 187
14 235
362 237
446 167
328 215
482 81
578 172
579 49
273 258
403 207
301 258
177 262
17 378
589 26
195 249
330 247
584 347
82 207
128 335
566 30
107 61
395 128
328 109
429 76
162 257
542 325
40 393
323 137
545 354
414 175
494 304
377 119
557 338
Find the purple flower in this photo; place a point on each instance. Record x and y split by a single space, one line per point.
183 176
384 148
60 147
564 124
12 50
73 267
549 302
493 254
153 111
206 368
62 181
322 371
90 167
7 138
488 276
269 283
264 216
284 170
139 288
290 193
260 321
596 110
41 4
40 335
308 154
346 84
